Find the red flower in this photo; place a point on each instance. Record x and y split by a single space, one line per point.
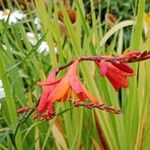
116 73
61 90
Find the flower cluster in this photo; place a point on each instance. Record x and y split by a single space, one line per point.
14 17
69 88
61 90
43 47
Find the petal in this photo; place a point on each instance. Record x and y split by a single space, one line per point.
51 109
125 68
103 67
81 91
76 85
67 95
116 70
46 91
59 91
48 83
52 76
74 82
116 74
89 96
42 104
73 68
117 80
51 79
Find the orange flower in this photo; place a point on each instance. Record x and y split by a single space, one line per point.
116 73
61 90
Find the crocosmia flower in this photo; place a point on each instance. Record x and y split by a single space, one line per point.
61 90
69 88
116 73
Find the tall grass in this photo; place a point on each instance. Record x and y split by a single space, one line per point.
78 128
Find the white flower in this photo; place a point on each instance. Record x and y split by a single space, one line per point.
31 38
14 17
37 22
2 92
43 48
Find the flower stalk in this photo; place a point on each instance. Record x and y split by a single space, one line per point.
102 106
130 57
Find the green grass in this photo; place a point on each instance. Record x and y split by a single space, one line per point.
74 128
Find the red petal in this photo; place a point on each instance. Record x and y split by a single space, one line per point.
81 91
117 81
74 82
117 73
125 68
73 68
103 67
116 77
52 76
42 103
77 87
117 70
46 91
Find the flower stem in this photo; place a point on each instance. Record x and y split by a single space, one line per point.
128 58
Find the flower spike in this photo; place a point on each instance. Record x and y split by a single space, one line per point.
135 56
115 69
100 106
62 90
